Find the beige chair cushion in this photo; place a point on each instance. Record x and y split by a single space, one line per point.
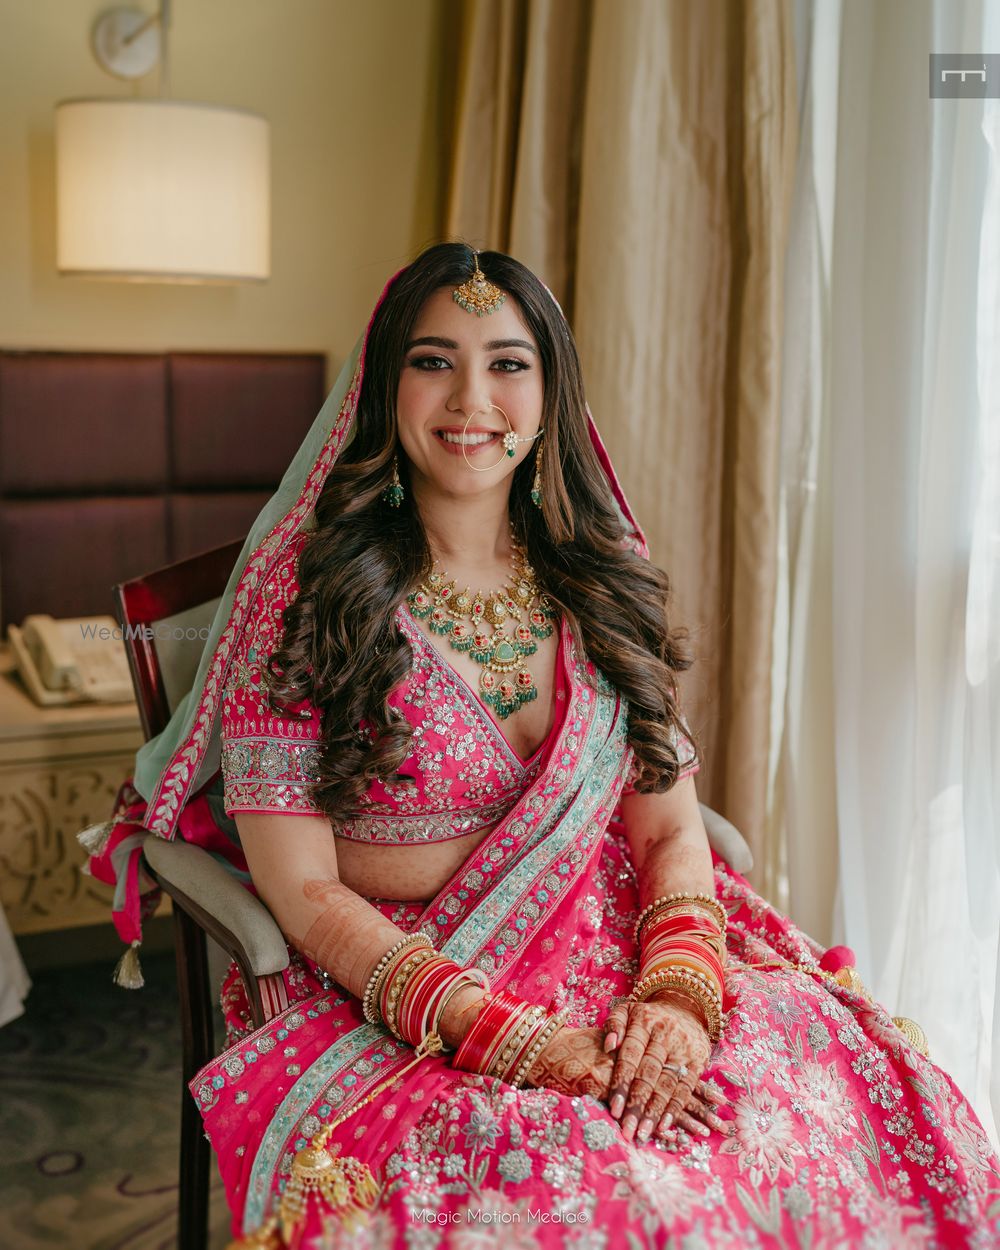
206 882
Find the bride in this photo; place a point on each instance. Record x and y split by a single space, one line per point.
522 992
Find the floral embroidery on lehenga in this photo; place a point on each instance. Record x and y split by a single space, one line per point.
844 1135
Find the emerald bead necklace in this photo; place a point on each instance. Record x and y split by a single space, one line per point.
499 629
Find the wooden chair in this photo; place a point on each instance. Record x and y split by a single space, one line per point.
206 898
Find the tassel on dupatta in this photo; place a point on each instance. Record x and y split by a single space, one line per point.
128 970
840 961
95 838
344 1185
914 1034
114 848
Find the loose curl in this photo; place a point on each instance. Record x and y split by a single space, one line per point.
342 650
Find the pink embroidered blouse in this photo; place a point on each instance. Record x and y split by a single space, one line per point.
461 777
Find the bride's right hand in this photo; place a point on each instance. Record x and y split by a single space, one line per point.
574 1062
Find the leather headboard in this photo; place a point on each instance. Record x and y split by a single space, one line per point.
113 465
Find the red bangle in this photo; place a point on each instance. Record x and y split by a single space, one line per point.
691 946
697 947
479 1045
420 994
680 926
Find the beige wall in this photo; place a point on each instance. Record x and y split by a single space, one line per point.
357 94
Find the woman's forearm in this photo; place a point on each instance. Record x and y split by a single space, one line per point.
335 927
349 939
668 842
293 863
670 850
677 862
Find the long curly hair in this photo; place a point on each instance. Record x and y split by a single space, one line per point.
342 650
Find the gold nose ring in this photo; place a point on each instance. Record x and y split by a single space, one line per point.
510 441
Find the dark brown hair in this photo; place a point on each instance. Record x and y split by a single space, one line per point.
342 650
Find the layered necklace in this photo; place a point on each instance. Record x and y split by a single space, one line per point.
499 629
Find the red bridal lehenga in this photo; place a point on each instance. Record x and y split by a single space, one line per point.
844 1135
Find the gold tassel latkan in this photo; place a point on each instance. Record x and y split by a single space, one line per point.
850 979
94 838
128 971
914 1034
912 1031
345 1186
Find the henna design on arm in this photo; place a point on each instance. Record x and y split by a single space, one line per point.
573 1063
348 937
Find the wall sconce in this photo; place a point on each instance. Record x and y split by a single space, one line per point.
159 190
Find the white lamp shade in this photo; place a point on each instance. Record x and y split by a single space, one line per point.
161 190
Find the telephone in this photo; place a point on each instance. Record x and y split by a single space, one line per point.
73 661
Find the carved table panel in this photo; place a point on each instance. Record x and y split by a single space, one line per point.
60 770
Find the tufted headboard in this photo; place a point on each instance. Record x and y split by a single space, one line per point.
113 465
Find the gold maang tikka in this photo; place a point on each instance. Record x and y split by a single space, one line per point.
478 295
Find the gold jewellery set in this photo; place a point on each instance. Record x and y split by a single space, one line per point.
498 629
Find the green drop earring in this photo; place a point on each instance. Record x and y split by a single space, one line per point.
536 486
394 494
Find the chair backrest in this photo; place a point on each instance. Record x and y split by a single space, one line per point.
178 603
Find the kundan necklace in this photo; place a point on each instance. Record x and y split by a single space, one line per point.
490 626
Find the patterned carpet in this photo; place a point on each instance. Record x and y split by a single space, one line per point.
89 1115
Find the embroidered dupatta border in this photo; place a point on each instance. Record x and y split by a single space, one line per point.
563 820
173 788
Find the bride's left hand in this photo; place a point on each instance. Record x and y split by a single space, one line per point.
656 1039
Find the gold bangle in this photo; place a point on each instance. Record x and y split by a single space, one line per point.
692 986
705 982
545 1035
399 980
369 998
526 1039
668 902
512 1040
392 966
708 1013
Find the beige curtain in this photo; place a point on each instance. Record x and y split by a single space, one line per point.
638 155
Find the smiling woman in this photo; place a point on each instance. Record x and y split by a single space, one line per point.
471 393
521 987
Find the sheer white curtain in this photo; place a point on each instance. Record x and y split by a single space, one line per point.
886 775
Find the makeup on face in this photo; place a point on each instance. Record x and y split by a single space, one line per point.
456 368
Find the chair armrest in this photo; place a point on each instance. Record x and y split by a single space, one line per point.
727 841
224 908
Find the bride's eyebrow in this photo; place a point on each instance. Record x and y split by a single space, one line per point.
432 341
496 345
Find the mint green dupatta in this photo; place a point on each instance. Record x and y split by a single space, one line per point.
172 766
